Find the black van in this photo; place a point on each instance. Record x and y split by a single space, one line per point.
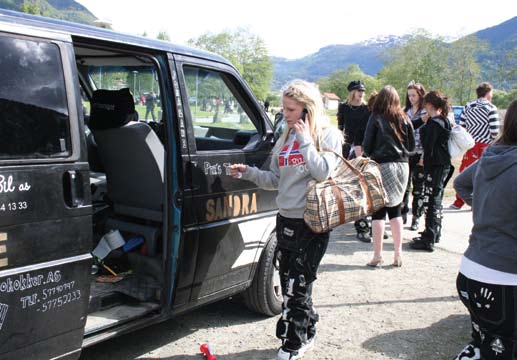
87 166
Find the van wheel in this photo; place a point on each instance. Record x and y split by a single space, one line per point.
265 293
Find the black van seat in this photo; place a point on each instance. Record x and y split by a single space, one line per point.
131 153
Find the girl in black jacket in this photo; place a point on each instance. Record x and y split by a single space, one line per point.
437 164
388 140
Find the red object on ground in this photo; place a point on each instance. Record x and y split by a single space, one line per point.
207 350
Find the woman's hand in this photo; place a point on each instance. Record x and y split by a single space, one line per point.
425 117
302 126
236 170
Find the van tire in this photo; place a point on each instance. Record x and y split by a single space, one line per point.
265 294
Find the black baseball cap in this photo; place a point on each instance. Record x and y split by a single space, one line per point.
356 85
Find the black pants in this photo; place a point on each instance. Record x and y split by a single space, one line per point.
435 179
493 312
393 212
299 252
149 110
416 178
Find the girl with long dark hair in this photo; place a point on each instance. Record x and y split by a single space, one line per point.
417 114
388 140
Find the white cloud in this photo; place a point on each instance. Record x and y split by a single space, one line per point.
294 29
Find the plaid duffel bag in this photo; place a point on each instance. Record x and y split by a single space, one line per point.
353 191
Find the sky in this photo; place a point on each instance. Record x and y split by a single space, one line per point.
294 29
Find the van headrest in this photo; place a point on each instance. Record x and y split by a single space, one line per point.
111 109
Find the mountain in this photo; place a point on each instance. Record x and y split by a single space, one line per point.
499 63
500 34
367 54
502 52
57 9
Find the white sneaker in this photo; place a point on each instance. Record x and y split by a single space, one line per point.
288 355
307 346
470 352
296 354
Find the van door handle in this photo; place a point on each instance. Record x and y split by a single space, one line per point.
73 191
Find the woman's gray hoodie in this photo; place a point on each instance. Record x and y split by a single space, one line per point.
293 165
490 187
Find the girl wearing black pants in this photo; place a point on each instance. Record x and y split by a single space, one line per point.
437 163
296 160
417 114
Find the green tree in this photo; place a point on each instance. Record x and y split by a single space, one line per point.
464 72
422 58
163 35
103 24
30 7
504 67
338 81
246 51
502 98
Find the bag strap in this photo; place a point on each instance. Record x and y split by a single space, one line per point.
346 162
339 199
362 181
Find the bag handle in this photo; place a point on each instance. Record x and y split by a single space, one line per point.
362 181
345 161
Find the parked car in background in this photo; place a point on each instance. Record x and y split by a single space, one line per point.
457 112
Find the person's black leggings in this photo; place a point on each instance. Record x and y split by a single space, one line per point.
493 318
393 212
416 178
299 253
435 180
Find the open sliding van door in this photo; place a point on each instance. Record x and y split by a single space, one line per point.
45 201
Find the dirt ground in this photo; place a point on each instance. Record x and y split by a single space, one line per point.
389 313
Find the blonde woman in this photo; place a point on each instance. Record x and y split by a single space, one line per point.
352 118
296 160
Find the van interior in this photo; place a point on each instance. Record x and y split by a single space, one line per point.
125 142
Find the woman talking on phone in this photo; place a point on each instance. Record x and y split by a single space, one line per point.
297 158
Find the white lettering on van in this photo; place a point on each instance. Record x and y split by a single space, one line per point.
7 185
20 283
212 169
24 187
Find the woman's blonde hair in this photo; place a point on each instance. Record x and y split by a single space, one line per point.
350 97
309 96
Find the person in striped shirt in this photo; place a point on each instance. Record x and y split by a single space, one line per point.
481 120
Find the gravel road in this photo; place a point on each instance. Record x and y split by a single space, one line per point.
389 313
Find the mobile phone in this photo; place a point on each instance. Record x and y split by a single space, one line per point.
303 115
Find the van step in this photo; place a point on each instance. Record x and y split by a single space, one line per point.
117 315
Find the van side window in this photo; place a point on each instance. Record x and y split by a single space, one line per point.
219 120
33 106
